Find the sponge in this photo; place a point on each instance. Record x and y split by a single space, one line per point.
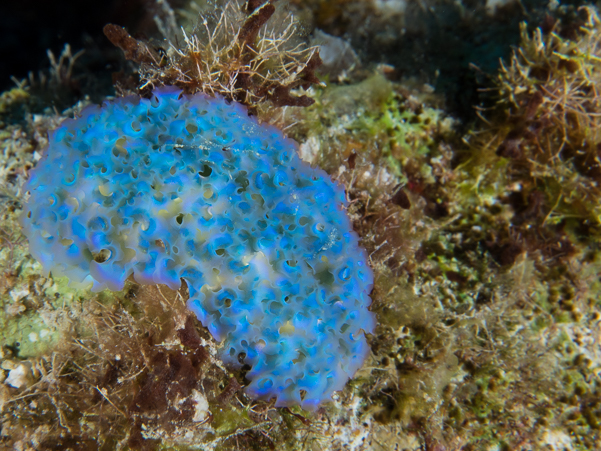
190 187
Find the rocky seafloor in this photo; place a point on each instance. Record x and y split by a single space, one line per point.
467 137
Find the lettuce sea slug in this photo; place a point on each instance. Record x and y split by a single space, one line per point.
190 187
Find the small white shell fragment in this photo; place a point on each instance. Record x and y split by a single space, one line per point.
17 377
201 409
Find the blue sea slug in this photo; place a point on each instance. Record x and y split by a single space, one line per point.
190 187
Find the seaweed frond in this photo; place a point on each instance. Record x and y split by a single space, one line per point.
234 52
550 105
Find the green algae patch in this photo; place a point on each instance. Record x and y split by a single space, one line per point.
37 313
33 309
229 420
374 118
28 336
11 99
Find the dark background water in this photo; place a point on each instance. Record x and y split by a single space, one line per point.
440 46
28 28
